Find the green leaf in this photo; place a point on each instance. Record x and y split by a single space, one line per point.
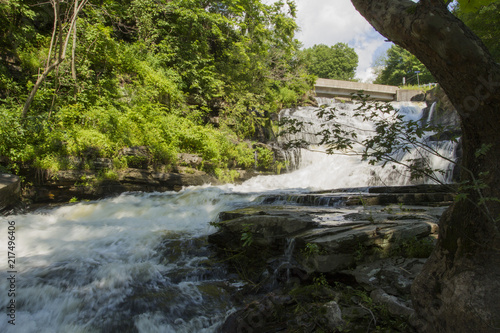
460 197
468 6
483 150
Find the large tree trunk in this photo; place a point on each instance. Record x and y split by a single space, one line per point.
459 287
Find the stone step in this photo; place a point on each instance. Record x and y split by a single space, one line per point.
426 195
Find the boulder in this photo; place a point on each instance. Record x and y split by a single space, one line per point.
394 305
267 227
393 275
10 190
362 236
191 160
333 314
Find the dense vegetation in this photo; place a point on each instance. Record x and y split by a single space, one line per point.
197 76
331 62
484 23
400 67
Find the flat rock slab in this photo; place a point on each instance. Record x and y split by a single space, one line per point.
10 190
327 239
421 195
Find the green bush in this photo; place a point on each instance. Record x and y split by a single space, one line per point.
265 159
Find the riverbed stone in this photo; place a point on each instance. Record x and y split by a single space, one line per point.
333 314
364 252
266 228
394 275
10 190
394 304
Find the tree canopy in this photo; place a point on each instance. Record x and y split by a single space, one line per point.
331 62
484 22
400 67
173 75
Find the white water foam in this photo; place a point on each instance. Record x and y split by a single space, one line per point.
80 266
320 171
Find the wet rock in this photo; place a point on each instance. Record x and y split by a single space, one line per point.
353 251
10 190
262 315
341 238
333 314
394 305
423 195
423 188
342 247
393 275
268 228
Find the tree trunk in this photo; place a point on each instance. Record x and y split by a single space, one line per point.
459 287
63 45
73 49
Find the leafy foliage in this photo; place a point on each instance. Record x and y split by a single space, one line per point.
400 64
175 76
331 62
483 19
469 6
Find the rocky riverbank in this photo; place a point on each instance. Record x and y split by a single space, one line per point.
98 178
330 261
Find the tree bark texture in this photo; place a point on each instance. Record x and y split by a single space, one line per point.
459 287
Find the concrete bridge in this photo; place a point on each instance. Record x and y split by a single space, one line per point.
380 92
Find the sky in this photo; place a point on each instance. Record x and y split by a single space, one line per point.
332 21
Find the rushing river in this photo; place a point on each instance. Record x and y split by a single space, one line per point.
136 261
140 262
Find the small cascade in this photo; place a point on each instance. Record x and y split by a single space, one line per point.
290 156
311 199
431 112
285 263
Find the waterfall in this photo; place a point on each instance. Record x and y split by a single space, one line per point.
140 262
318 170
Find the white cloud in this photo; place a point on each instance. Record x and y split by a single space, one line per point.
333 21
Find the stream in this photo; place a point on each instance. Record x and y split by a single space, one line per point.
140 262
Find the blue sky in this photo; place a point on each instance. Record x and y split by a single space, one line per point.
332 21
